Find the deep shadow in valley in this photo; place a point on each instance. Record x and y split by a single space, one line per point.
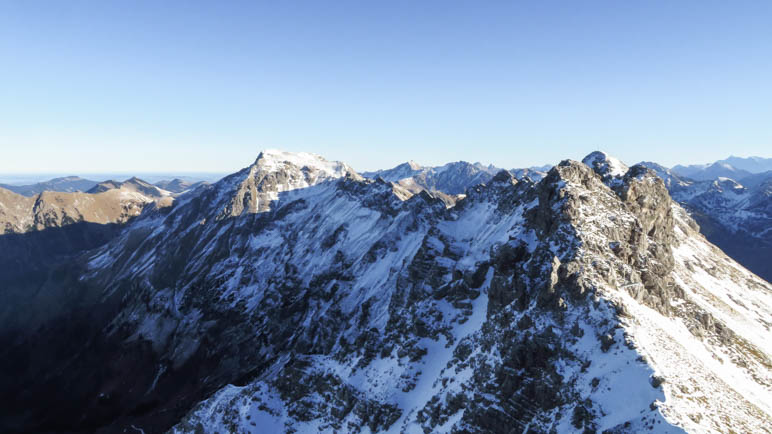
69 369
61 373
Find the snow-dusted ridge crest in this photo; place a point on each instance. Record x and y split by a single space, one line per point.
274 159
301 297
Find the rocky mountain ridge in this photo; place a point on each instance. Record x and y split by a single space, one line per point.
296 295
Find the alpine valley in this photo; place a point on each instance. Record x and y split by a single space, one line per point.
299 296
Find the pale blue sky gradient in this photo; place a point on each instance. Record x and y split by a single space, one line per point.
168 86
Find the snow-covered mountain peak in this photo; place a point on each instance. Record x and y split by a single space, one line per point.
273 160
605 165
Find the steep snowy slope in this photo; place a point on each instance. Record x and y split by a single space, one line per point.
297 296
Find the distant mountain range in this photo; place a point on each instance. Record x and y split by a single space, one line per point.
105 203
452 178
64 184
733 167
76 183
448 182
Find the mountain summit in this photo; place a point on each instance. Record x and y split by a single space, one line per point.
254 188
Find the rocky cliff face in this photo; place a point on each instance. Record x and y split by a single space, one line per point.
734 216
297 296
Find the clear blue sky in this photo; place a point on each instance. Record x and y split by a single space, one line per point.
127 86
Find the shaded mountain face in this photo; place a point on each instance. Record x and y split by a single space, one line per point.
736 217
296 295
64 184
39 234
756 179
178 185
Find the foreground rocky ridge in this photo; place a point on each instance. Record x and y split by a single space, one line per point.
297 296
